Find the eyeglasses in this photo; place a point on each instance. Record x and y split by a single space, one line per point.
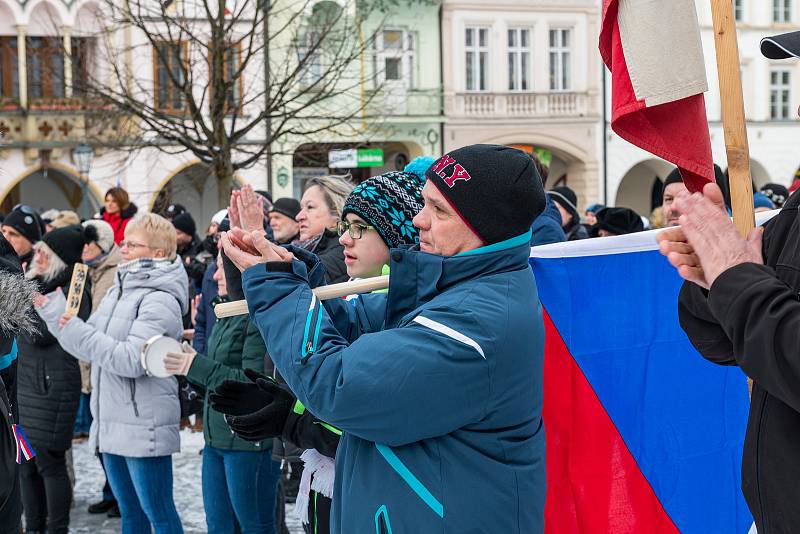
356 230
131 245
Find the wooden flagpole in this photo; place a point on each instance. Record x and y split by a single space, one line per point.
733 119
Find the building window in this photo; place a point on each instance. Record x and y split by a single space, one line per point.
9 73
519 59
81 56
170 63
738 10
781 11
560 60
780 94
309 55
394 59
477 47
232 65
45 57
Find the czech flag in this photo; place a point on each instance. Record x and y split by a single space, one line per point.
643 434
658 78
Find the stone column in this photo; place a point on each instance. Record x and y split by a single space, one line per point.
67 31
22 69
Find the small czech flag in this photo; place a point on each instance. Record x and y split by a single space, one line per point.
24 449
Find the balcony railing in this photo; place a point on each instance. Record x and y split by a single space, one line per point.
518 105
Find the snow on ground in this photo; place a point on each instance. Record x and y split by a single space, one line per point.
187 490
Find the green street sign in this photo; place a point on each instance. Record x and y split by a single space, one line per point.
355 158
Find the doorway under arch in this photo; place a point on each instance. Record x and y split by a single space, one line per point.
195 187
52 188
635 191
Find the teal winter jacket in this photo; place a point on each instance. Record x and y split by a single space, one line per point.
437 387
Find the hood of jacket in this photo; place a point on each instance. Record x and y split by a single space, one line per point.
418 277
170 278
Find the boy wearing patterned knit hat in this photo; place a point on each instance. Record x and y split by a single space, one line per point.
377 217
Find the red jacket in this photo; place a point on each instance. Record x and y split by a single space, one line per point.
119 220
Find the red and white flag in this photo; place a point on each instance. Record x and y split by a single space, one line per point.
658 78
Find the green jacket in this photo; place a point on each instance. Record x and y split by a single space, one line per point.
234 345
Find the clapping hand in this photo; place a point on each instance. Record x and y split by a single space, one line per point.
706 243
247 210
246 250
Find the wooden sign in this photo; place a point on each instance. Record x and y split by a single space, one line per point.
79 275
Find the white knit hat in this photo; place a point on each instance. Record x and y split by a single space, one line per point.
99 232
219 216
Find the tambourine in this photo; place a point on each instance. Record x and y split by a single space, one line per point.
153 353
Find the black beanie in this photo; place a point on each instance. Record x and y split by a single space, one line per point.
673 178
185 224
777 193
26 223
566 198
67 243
618 221
289 207
173 210
495 189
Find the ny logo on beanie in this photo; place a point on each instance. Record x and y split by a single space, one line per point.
459 172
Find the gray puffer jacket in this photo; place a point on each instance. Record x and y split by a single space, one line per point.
134 415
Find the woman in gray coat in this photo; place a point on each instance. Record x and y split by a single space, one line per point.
136 416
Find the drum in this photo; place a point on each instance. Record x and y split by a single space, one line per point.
153 352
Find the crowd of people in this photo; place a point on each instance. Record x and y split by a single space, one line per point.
78 378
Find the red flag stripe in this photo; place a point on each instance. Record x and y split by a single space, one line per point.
593 482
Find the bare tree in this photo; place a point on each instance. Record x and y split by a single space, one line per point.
227 80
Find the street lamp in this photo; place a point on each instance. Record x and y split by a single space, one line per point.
83 156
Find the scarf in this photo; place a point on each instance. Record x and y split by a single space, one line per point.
141 265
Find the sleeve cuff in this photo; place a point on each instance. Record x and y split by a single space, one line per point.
279 267
733 285
200 370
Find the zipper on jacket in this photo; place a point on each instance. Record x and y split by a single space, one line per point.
133 397
311 335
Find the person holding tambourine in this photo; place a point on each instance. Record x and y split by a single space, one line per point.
135 415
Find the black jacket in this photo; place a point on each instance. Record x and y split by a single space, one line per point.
751 318
50 380
15 298
331 253
10 505
195 260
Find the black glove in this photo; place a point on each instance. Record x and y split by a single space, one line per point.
255 411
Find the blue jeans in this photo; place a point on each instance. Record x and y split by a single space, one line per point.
240 489
143 488
83 420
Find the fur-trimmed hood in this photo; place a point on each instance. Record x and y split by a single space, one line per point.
16 301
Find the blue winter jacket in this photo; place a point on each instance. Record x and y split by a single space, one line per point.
437 387
547 226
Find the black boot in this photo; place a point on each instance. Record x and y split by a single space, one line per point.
101 507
